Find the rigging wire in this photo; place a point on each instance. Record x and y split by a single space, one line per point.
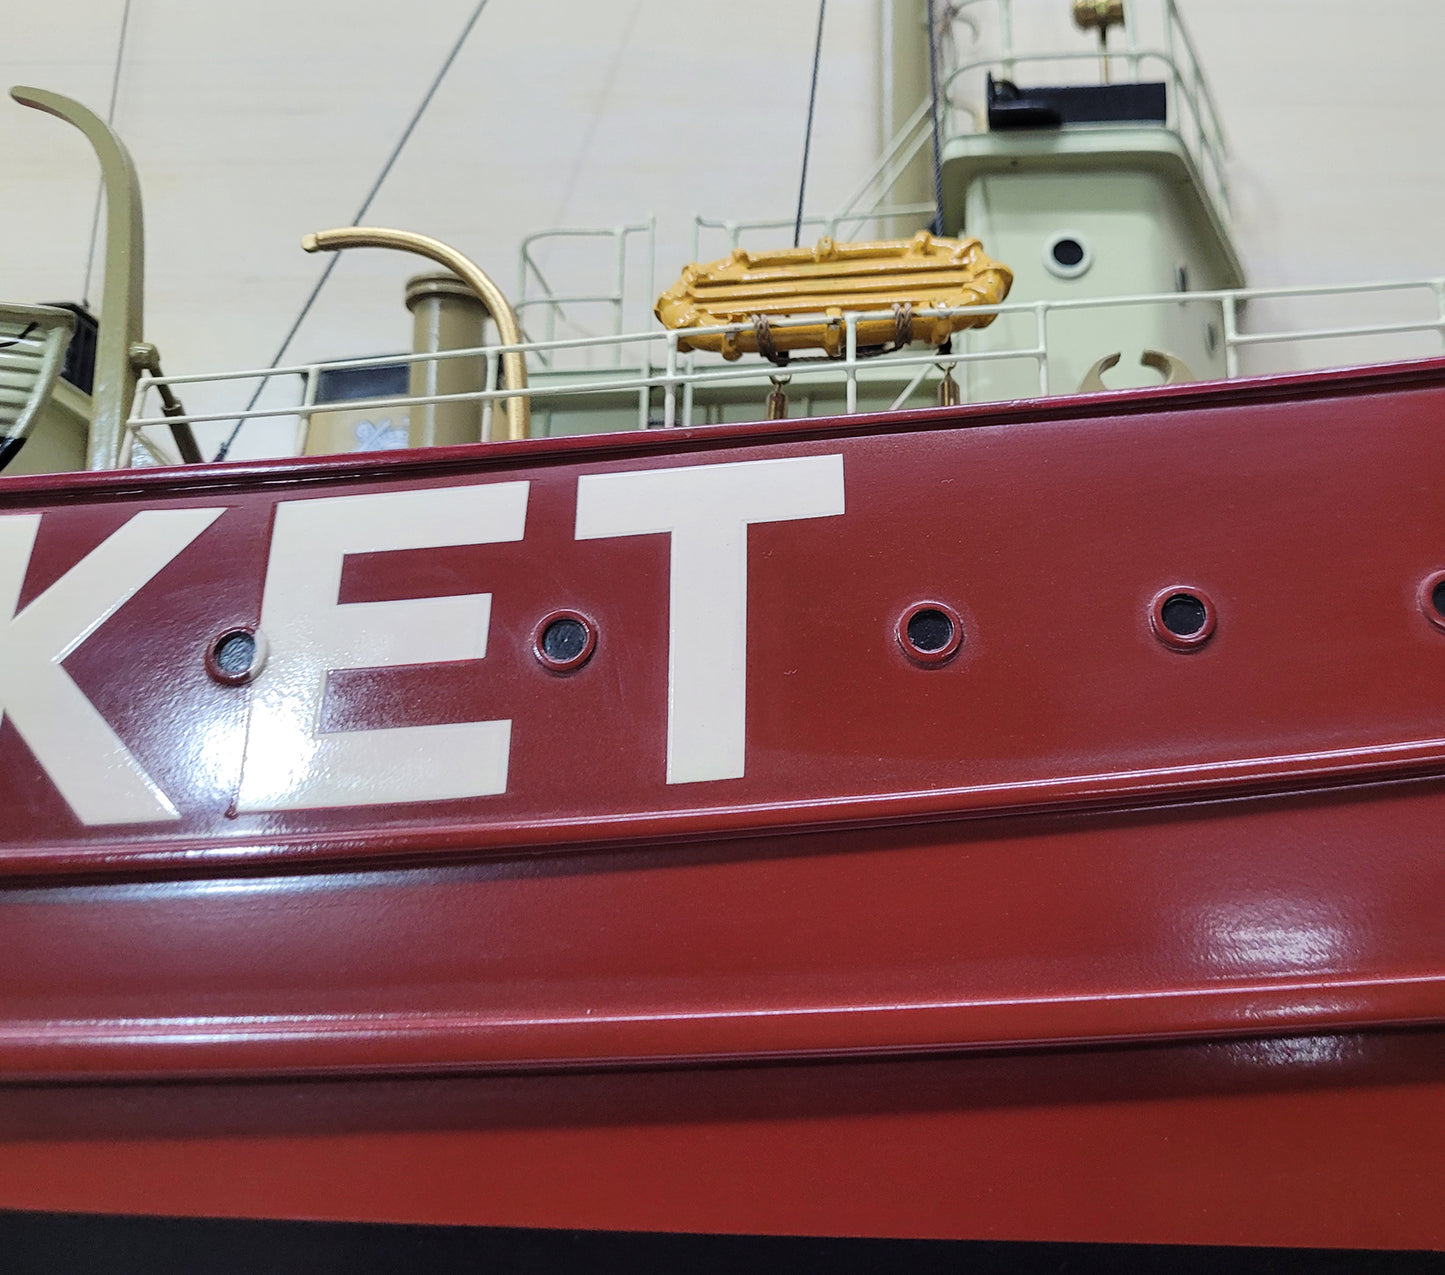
933 114
356 220
100 181
808 132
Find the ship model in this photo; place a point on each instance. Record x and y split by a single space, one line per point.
828 765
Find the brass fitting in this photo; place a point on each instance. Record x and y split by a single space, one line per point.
1098 15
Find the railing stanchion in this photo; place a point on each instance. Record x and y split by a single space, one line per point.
1041 344
620 237
1176 87
489 384
1005 37
1231 336
311 378
850 327
644 395
669 393
1131 37
651 294
687 393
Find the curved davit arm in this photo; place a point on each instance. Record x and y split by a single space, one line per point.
514 366
123 301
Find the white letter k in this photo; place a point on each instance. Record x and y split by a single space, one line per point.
84 758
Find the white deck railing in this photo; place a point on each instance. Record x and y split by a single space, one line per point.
535 294
1169 55
667 380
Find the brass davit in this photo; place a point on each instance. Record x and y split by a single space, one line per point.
514 367
900 277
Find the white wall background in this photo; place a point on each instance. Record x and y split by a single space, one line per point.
252 124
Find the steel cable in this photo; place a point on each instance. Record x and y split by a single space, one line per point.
933 114
808 132
360 213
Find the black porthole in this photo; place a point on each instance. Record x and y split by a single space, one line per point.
235 656
1183 614
564 641
1431 598
1067 255
1182 618
930 632
234 653
1068 252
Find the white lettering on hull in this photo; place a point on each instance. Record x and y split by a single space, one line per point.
290 764
708 509
95 773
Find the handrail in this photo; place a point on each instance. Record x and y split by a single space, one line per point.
1176 23
528 268
1206 121
1185 73
644 379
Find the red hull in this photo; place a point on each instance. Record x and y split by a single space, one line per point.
1333 1141
1192 895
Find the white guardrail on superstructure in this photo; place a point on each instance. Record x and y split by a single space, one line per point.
651 363
1192 114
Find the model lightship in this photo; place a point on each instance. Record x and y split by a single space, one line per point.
1031 794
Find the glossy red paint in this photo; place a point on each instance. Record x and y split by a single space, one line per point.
1233 849
1331 1140
1048 536
1266 916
